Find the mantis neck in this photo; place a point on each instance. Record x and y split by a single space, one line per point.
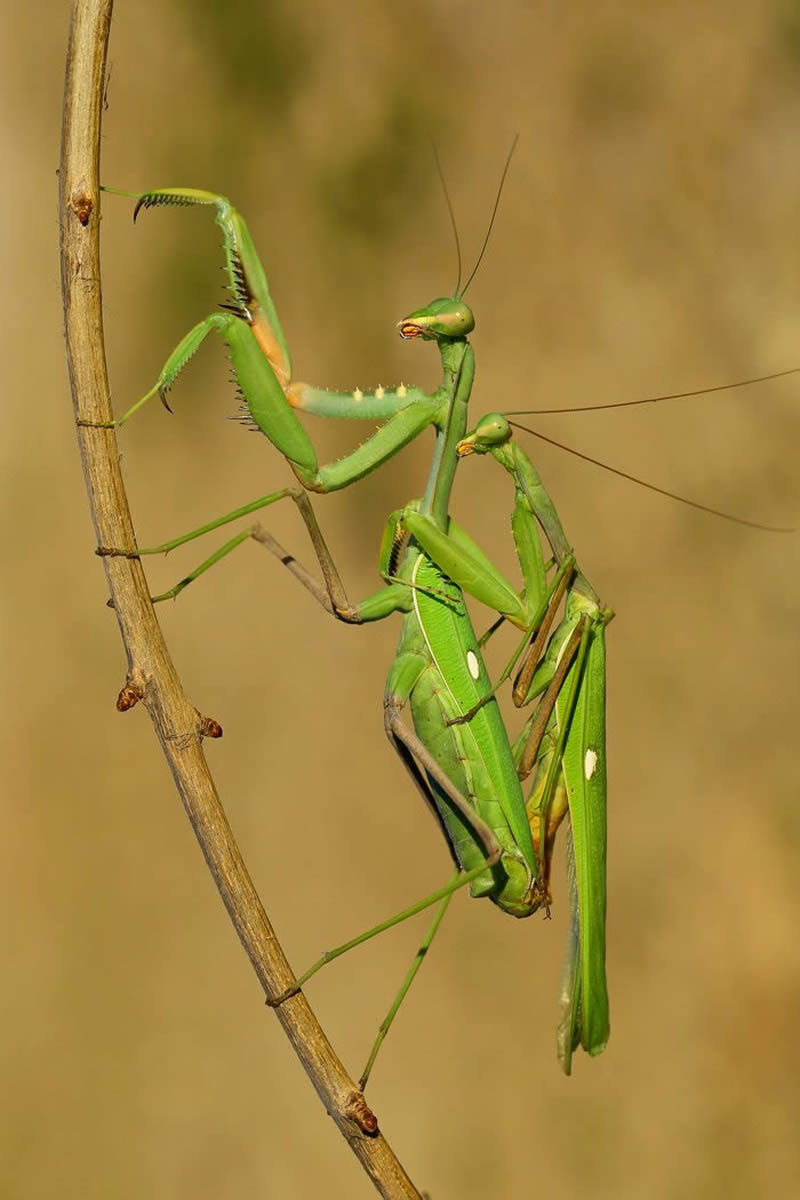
458 365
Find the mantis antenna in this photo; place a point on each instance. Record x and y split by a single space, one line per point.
449 203
652 487
494 214
719 387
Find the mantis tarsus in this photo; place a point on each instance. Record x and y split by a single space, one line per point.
459 753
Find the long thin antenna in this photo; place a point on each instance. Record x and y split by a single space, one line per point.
652 487
443 182
494 214
720 387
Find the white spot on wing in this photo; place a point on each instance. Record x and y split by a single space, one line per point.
402 390
473 664
358 394
589 764
379 392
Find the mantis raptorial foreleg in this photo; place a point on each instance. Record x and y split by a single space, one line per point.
250 327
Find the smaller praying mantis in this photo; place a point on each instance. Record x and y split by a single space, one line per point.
570 756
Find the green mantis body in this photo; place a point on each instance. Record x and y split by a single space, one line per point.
573 752
459 753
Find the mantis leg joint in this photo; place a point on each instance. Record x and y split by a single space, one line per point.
349 615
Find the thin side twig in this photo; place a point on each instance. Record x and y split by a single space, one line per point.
151 672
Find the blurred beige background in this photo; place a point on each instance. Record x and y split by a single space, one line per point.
647 242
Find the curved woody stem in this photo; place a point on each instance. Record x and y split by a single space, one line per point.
151 673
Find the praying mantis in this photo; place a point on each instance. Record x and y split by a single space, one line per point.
458 754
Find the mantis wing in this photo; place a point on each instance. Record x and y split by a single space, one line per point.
584 996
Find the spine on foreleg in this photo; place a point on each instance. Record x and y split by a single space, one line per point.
266 400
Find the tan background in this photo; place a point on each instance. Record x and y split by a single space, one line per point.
647 241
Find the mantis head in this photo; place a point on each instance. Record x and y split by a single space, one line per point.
491 431
443 318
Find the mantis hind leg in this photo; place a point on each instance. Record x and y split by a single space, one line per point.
461 879
414 757
417 760
442 896
411 974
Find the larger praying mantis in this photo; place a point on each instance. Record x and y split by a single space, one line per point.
459 753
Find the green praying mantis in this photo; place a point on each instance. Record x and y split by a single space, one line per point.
458 753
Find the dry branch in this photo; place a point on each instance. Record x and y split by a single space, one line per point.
151 672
